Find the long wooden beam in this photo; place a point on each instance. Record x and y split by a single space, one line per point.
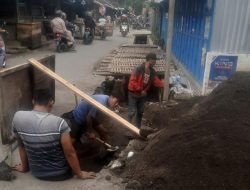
90 100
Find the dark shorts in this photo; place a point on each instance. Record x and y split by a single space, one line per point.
69 174
76 129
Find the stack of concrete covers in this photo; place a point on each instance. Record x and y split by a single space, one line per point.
126 58
138 50
136 56
126 65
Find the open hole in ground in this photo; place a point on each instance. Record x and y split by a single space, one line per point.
93 155
141 39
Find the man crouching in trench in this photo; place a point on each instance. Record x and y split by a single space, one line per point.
45 146
87 120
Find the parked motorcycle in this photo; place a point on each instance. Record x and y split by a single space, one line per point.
61 43
102 29
103 32
2 45
124 29
88 36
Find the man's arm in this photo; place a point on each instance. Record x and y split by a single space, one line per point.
72 159
63 26
158 82
23 166
134 84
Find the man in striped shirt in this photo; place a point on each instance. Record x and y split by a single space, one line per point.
45 145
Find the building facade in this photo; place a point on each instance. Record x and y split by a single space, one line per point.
211 38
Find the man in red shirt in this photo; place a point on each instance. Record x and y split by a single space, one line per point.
141 79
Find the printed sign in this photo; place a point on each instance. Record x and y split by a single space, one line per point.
222 68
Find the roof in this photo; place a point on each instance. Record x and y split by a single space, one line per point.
105 3
164 5
98 3
158 1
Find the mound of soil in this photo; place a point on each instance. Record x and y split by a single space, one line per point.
203 144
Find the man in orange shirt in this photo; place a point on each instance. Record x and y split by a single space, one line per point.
141 79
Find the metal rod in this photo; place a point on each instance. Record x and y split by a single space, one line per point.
169 47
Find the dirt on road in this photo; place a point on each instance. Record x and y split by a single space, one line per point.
203 143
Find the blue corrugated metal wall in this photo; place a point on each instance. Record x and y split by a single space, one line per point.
189 35
192 33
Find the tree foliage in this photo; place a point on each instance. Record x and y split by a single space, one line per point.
136 5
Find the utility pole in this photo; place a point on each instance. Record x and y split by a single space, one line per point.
169 47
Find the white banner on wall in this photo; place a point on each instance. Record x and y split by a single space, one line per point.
220 67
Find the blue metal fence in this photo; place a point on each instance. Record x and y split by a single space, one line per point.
189 36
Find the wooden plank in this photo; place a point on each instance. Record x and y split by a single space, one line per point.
90 100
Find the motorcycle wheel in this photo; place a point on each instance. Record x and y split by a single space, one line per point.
103 35
88 40
124 34
4 64
58 49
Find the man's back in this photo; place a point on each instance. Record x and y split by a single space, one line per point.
84 108
41 133
88 20
58 25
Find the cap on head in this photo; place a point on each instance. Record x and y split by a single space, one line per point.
151 56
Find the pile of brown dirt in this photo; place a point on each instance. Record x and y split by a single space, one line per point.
205 147
158 117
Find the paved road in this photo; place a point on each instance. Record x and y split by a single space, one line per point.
77 68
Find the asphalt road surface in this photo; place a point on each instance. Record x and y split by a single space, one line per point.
75 67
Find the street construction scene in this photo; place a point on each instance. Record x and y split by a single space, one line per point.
121 94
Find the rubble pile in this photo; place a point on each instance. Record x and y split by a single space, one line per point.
202 143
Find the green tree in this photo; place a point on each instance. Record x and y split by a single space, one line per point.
136 5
